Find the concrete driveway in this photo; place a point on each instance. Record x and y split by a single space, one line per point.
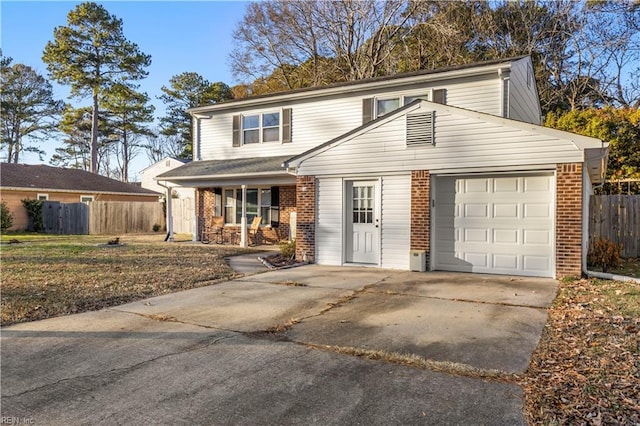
273 348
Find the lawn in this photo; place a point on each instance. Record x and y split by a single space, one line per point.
45 276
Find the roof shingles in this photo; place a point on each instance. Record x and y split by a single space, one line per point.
42 177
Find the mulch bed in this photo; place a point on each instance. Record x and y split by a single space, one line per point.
278 261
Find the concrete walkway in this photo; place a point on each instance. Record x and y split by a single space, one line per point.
262 350
249 263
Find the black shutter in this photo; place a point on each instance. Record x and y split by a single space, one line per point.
236 130
440 96
286 125
275 206
367 110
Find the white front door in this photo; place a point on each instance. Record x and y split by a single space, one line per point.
363 222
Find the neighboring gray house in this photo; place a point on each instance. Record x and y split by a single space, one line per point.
452 163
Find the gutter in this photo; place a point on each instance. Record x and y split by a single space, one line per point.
607 276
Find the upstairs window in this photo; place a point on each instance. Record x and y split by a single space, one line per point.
266 127
373 108
261 128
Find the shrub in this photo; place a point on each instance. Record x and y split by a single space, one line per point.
34 211
6 218
288 248
604 254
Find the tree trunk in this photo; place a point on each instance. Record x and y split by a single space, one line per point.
94 133
125 157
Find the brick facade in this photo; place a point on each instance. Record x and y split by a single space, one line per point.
206 199
568 220
420 210
306 218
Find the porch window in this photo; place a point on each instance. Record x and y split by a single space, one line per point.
258 203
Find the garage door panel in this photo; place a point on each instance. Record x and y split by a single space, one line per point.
506 185
537 236
537 184
476 185
501 224
509 210
475 210
536 263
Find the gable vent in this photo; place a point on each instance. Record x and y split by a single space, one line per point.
420 129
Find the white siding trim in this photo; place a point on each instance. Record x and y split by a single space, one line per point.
329 222
395 221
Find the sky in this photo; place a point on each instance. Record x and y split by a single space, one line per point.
180 36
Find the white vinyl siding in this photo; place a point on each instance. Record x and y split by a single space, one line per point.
523 100
329 214
460 142
317 121
396 221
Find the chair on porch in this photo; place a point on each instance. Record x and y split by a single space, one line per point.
252 235
213 230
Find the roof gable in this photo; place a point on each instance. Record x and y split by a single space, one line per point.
463 139
42 177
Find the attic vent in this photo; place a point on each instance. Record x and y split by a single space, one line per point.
420 129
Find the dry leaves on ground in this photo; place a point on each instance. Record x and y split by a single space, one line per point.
46 279
586 369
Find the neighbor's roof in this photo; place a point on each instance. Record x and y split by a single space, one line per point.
226 168
46 178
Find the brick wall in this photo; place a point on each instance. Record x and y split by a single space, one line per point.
287 206
420 210
205 200
306 217
569 220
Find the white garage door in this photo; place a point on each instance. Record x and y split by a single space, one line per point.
495 224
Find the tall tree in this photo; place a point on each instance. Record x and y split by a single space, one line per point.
620 127
92 54
188 90
293 40
28 108
76 125
128 113
159 146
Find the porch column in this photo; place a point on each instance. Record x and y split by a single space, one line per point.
243 219
169 215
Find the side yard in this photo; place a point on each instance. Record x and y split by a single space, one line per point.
586 368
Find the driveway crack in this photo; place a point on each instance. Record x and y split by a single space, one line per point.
196 347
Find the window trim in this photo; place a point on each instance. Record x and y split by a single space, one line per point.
92 198
266 221
261 127
43 197
401 101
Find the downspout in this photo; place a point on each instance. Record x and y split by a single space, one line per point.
169 236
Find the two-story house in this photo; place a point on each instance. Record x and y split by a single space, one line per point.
450 163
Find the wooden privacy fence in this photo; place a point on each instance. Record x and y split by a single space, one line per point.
616 218
59 218
102 217
125 217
